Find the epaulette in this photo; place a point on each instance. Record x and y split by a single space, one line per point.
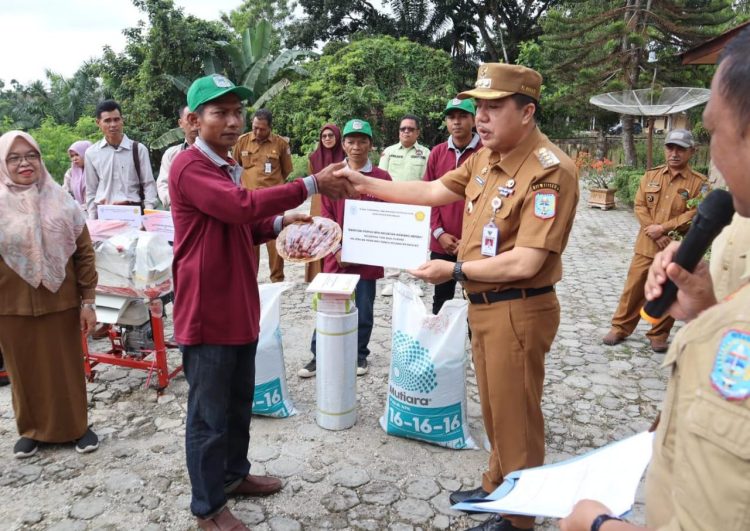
546 158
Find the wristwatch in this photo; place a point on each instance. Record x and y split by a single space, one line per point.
458 273
599 520
89 305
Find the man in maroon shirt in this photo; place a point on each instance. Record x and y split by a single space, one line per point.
357 142
446 220
217 308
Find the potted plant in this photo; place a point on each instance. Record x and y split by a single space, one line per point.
598 174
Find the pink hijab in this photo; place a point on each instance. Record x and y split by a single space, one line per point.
77 174
39 223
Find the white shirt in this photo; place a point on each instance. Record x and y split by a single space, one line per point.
111 175
162 181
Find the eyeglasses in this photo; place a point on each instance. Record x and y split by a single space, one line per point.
327 135
407 129
15 160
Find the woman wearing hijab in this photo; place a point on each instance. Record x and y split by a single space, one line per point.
74 181
329 150
47 282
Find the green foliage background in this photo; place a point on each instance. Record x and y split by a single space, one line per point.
377 79
54 140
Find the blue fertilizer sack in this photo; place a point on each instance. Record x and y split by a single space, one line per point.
427 381
271 397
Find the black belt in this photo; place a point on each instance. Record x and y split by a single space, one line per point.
488 297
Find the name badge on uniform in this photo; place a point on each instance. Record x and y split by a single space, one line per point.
267 167
490 239
479 180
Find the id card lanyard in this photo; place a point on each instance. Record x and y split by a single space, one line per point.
490 232
267 168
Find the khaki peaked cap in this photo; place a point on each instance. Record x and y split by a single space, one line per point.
500 80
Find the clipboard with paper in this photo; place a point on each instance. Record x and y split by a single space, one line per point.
610 475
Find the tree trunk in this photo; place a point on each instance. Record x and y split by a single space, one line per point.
630 71
601 145
491 50
628 144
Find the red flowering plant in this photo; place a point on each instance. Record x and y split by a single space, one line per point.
597 173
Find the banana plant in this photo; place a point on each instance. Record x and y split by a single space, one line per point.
250 64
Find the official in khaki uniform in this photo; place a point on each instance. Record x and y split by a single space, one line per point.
267 161
520 195
661 206
699 476
407 159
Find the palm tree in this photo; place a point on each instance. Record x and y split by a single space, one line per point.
250 64
73 97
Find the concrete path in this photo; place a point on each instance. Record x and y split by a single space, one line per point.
360 478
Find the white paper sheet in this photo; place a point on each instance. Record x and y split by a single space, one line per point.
609 475
385 234
341 284
129 213
159 221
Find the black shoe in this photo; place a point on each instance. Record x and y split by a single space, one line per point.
361 366
4 380
497 523
25 447
308 370
463 495
88 443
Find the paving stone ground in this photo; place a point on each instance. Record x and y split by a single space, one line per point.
359 478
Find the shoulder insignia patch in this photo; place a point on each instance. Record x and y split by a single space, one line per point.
545 205
546 158
550 186
731 373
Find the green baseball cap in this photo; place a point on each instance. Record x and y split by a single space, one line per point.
466 105
207 88
357 126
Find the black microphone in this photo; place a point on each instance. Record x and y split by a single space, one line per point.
714 213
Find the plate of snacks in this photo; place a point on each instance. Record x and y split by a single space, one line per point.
308 241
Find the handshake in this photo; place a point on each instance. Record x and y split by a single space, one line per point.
338 181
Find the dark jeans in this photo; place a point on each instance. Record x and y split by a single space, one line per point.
217 430
446 290
364 295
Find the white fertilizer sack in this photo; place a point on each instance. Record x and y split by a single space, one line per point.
271 397
426 385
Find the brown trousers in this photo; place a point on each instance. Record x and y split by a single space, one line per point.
510 340
632 300
44 359
275 262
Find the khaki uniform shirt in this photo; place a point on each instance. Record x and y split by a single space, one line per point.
662 199
539 213
729 256
405 164
699 476
255 157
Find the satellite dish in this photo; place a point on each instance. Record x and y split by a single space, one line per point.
651 102
648 102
